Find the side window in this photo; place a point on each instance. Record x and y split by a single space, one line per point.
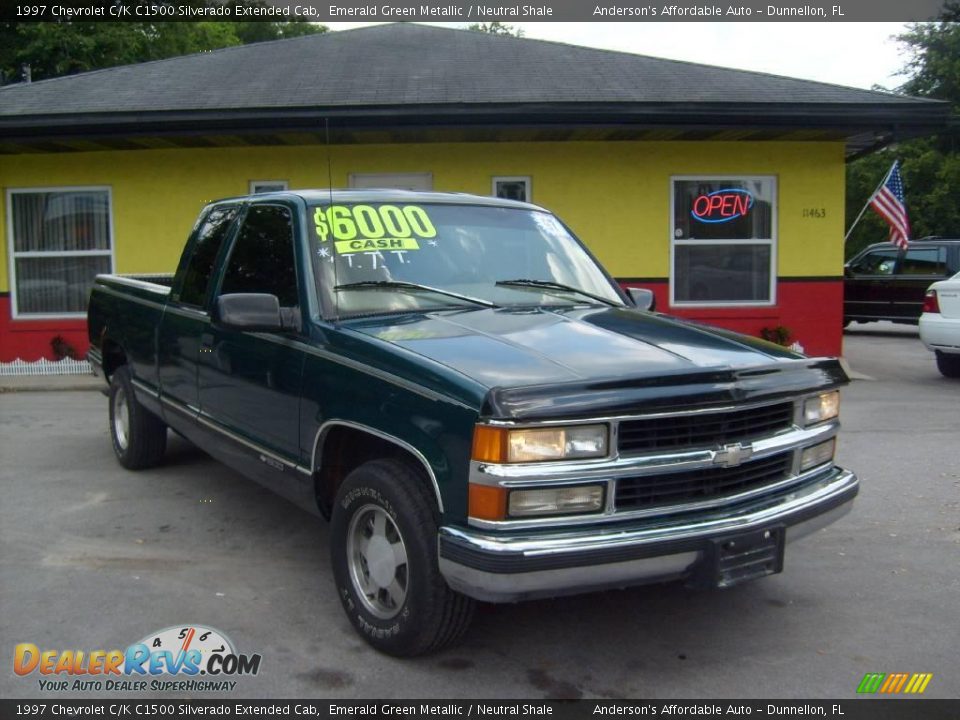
210 236
878 262
925 261
262 256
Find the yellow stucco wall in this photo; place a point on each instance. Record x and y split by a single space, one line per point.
614 195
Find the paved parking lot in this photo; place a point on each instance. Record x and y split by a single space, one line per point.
94 557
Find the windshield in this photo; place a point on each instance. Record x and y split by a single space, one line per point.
371 258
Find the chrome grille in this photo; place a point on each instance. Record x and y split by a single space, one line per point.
697 485
703 430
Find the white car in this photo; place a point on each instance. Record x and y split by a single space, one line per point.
940 324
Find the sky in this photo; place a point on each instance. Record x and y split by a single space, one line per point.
853 54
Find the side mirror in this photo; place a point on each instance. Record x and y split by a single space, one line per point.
643 298
257 312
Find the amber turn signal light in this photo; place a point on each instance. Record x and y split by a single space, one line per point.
489 444
487 502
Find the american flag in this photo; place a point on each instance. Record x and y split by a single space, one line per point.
888 202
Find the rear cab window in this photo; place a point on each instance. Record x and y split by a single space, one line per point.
193 278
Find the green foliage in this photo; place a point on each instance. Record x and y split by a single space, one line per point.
934 60
64 48
251 32
62 349
780 335
930 166
496 28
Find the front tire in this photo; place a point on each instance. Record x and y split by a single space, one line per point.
139 437
948 365
383 543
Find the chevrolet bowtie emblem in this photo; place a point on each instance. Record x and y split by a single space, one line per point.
732 455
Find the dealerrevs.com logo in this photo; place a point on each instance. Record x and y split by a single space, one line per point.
182 658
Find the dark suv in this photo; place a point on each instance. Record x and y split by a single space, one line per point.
885 283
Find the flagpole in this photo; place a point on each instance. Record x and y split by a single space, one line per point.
867 203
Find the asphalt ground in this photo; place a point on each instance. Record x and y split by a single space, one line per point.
94 557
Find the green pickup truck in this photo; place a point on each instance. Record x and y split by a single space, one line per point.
474 404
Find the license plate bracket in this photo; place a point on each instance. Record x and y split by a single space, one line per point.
737 558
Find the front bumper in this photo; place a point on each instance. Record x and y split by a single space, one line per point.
506 568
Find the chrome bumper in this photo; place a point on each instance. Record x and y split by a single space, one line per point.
96 364
506 568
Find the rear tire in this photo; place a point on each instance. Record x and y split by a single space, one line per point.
383 544
139 437
948 365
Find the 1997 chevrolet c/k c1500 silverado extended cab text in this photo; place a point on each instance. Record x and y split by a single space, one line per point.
475 405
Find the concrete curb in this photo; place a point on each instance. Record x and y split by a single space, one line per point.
49 383
853 374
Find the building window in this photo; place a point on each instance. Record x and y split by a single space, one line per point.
60 240
394 181
724 241
516 187
265 186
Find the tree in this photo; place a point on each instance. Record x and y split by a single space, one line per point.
930 166
496 28
934 62
65 48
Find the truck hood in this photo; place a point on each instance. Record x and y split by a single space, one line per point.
577 352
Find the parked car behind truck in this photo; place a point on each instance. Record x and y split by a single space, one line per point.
474 404
940 325
885 282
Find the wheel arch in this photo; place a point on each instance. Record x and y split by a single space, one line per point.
333 457
113 356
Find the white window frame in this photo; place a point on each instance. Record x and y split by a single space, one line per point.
255 183
392 180
527 181
772 242
13 256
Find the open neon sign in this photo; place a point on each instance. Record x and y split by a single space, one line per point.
722 206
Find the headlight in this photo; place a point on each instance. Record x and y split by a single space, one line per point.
505 445
817 454
556 501
822 407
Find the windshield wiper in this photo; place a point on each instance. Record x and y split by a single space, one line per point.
400 285
549 285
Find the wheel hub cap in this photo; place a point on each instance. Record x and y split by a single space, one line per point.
121 418
381 562
377 560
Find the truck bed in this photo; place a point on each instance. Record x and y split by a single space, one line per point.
133 306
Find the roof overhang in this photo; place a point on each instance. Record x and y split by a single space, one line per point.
862 128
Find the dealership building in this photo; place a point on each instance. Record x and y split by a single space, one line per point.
722 190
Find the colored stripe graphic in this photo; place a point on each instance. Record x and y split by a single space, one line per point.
871 682
894 683
918 683
889 684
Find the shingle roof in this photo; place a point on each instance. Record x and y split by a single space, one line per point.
407 64
405 77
